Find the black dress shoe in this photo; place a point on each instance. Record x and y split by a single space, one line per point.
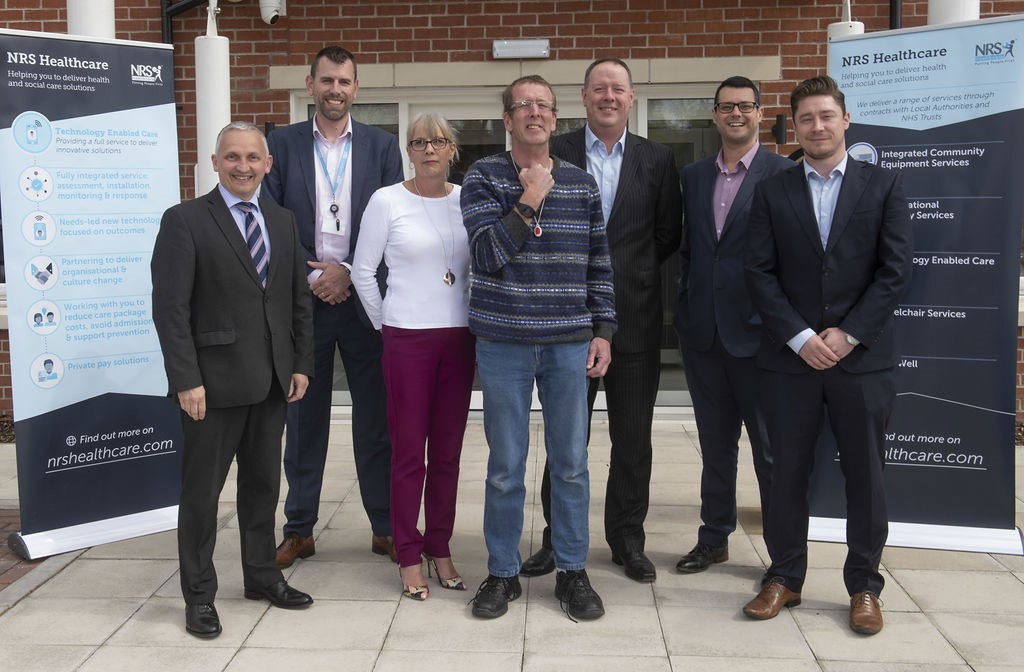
637 565
540 563
281 595
202 620
701 557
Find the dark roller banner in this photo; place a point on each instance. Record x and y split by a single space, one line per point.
945 106
90 162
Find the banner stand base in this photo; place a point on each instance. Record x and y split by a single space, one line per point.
64 539
940 537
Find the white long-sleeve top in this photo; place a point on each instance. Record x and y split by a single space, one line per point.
416 237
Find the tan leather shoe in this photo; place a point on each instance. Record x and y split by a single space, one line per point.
865 613
769 602
293 547
384 546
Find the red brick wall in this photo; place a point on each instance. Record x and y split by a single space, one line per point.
395 31
6 400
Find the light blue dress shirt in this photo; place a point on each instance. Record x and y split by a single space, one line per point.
824 196
605 167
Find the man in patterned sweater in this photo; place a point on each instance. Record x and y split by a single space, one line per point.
543 310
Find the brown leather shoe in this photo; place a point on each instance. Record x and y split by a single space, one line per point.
769 602
865 613
384 546
293 547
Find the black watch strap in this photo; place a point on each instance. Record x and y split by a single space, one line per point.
525 210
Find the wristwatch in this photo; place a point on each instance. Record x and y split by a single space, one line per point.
525 210
852 341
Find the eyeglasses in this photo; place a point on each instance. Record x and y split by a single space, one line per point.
420 145
541 105
746 107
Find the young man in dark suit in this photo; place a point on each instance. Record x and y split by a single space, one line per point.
719 331
639 187
234 318
829 254
325 171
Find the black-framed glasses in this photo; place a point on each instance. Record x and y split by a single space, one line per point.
746 107
541 105
420 145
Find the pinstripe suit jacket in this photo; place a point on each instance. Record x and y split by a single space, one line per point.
644 229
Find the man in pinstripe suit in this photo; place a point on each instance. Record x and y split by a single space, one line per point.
640 197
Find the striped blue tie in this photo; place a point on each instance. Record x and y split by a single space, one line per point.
254 240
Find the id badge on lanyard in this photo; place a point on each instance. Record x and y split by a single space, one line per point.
331 223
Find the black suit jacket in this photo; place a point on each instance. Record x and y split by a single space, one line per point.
644 228
218 326
712 286
854 283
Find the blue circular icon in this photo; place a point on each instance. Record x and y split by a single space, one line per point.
32 132
863 151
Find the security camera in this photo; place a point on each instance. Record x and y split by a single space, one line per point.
272 10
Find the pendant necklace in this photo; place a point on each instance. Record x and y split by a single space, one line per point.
537 230
448 278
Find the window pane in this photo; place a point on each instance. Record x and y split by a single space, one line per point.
381 115
685 126
477 138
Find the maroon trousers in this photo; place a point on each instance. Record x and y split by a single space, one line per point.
429 379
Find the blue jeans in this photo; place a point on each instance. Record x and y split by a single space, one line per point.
507 373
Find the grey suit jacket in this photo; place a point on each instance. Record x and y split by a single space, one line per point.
218 326
644 229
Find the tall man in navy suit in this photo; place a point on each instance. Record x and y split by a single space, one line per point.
829 254
719 331
639 187
235 325
324 171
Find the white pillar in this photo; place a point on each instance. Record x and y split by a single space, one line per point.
953 11
94 18
213 98
843 29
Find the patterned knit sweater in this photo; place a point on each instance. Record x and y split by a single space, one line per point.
555 288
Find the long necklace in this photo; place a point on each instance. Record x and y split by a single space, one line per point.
448 278
537 230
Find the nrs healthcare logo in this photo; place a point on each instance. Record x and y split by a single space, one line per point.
147 75
991 53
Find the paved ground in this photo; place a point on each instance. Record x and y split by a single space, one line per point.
118 607
12 566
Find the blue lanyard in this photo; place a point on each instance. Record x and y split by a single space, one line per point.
342 165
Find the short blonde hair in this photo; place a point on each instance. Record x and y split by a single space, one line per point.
432 125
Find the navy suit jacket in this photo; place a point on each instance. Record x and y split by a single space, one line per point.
855 282
218 326
375 162
712 287
643 229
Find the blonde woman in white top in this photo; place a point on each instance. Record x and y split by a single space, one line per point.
416 229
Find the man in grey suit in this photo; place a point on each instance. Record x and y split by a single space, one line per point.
719 331
234 319
639 187
325 170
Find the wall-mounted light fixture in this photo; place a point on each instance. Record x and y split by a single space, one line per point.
521 48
